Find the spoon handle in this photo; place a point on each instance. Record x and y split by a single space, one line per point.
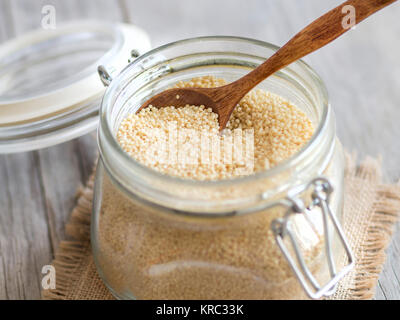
316 35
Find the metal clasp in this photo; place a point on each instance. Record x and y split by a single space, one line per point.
322 190
107 74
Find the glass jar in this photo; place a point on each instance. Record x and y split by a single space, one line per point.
271 235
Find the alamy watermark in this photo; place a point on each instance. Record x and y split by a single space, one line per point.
185 147
349 20
49 17
49 278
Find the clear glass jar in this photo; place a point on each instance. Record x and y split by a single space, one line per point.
161 237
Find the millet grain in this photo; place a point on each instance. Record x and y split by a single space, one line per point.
280 130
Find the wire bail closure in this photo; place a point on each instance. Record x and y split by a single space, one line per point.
322 190
107 74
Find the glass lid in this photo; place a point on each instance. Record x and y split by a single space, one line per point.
50 91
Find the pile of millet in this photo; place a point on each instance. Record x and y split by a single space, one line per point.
145 254
279 128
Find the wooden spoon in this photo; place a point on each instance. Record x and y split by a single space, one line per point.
222 100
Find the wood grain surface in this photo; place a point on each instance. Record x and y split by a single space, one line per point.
37 189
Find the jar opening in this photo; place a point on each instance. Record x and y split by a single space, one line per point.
229 58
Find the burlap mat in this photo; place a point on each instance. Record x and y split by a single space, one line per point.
370 211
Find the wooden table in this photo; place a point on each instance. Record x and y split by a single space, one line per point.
361 71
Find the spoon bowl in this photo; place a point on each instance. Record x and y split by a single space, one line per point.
180 97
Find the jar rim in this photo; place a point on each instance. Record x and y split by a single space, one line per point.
280 167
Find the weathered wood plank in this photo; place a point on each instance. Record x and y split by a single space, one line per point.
6 26
28 15
57 172
60 171
65 167
24 237
389 281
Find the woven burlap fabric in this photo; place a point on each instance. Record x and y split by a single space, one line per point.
370 211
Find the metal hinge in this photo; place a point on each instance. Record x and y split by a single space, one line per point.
322 190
